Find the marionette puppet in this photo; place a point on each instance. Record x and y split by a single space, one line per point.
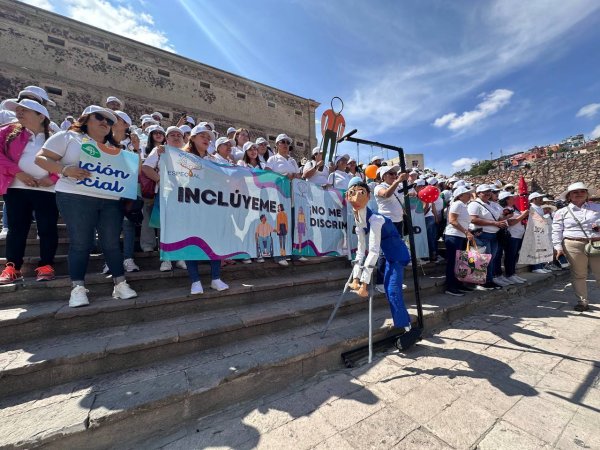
377 233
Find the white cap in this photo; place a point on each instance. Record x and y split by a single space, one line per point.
546 199
185 129
172 129
145 116
123 116
100 110
203 128
385 169
283 137
576 187
459 183
376 158
231 130
420 183
190 119
11 105
433 181
414 172
509 185
261 140
483 188
340 157
114 99
460 191
504 194
248 145
39 92
224 140
535 195
156 113
452 180
153 128
149 120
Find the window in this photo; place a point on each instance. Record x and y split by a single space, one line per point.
299 144
241 95
271 138
164 73
298 113
165 115
56 41
270 104
114 58
415 163
205 85
53 91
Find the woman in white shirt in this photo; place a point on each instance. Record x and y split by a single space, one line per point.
224 148
456 235
27 189
241 136
315 170
339 179
516 230
574 226
60 154
250 159
389 200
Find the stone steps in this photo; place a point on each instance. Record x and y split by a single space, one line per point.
124 407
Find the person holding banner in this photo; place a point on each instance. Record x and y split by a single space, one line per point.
62 153
311 170
575 234
282 162
535 204
224 148
241 136
264 152
516 231
27 189
339 179
250 159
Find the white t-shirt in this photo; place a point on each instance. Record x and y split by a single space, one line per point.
476 208
242 163
390 207
518 229
67 145
339 179
7 117
27 163
220 160
282 165
319 177
464 219
237 153
65 125
439 207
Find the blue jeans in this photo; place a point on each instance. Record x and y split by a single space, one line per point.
380 276
128 238
84 214
490 242
264 245
394 274
194 274
453 243
511 256
431 235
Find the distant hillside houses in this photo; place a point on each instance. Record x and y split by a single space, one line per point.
567 148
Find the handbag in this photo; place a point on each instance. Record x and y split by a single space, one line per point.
592 248
132 209
502 235
471 265
147 186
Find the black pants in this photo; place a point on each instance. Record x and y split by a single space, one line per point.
20 204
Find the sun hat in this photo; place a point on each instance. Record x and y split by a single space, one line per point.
460 191
153 128
149 120
576 186
376 158
340 157
504 194
483 188
509 185
11 105
123 117
433 180
535 195
316 150
171 129
261 140
224 140
421 183
114 99
550 207
452 179
92 109
283 137
203 128
156 113
185 129
385 169
248 145
231 130
39 92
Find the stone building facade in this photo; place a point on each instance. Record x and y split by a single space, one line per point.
552 175
80 65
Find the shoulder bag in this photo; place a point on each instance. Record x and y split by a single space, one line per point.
592 248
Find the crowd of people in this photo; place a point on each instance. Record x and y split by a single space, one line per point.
39 167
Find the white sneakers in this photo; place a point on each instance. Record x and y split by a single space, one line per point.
123 291
166 266
217 285
283 262
500 281
380 288
302 259
130 266
517 280
247 261
539 271
260 260
78 297
3 233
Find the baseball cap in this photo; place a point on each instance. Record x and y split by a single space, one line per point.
123 116
535 195
385 169
185 129
114 99
171 129
224 140
283 137
248 145
261 140
504 194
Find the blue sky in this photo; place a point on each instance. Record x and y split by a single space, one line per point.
454 80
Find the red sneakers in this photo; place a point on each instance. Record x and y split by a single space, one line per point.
10 274
44 273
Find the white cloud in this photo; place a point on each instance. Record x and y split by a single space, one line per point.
595 132
120 19
490 41
44 4
463 163
589 111
491 104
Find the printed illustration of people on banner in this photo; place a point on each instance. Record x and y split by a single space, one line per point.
419 228
210 211
537 241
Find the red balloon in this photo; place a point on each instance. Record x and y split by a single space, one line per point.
429 194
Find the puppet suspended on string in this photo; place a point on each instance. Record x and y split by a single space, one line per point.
333 125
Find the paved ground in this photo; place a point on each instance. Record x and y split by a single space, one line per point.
525 374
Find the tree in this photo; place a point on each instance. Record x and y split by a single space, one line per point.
481 168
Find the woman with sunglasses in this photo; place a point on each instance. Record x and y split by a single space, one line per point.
85 213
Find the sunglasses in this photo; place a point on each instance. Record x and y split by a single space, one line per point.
99 117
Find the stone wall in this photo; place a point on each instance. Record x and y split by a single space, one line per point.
83 65
551 175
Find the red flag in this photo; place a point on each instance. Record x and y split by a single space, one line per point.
522 201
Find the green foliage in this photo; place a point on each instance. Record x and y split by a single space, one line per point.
480 168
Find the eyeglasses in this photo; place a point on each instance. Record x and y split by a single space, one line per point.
99 117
